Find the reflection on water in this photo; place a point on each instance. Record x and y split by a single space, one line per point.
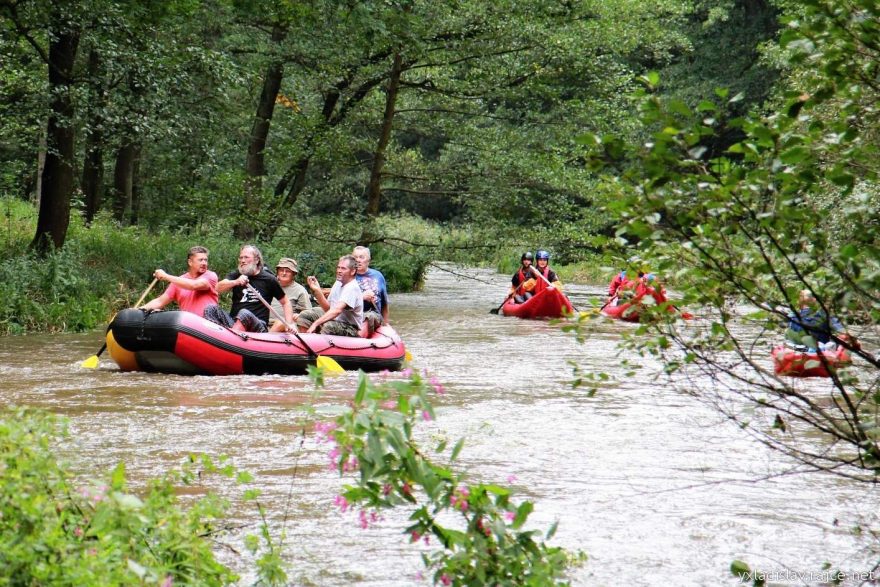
653 485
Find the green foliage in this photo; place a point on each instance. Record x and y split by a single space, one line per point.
480 527
791 205
104 268
56 530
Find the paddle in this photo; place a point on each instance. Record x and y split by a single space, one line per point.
92 361
498 309
326 363
547 281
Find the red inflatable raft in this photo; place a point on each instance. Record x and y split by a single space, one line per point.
184 343
628 311
794 363
630 307
547 303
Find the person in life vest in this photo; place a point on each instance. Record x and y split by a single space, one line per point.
812 328
522 284
650 285
616 284
634 290
550 279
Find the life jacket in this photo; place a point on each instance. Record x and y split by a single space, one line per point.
522 280
616 283
643 289
541 284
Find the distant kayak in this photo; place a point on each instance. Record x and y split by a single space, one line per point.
184 343
548 303
795 363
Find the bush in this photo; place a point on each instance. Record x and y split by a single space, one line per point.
56 531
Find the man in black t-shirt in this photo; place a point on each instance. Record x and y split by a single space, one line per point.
248 312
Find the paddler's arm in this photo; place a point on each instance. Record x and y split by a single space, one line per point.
313 284
227 284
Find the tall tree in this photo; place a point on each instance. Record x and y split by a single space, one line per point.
374 187
255 166
93 160
58 172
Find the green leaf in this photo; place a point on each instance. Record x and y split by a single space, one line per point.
361 390
794 155
741 570
457 449
117 479
522 514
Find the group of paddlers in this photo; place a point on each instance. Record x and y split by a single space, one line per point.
530 280
356 305
625 288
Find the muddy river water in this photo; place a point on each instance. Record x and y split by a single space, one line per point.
655 487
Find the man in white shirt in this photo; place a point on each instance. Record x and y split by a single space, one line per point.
342 313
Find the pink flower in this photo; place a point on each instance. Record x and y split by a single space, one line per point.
438 387
415 536
168 582
78 532
334 458
324 430
389 404
340 502
363 518
459 499
426 416
445 579
350 465
511 478
386 489
406 373
509 516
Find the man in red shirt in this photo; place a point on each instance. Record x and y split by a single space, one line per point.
193 290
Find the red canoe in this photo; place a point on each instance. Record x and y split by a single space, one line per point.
547 303
629 311
184 343
788 361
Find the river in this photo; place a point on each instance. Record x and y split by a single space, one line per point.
655 487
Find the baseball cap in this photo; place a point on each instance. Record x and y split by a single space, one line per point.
288 263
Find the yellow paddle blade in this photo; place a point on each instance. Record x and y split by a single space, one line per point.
408 357
329 365
90 363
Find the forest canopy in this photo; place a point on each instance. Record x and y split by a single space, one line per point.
238 115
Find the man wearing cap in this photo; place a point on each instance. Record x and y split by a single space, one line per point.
286 271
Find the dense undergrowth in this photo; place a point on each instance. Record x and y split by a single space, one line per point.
104 267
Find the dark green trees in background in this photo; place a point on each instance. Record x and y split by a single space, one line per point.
242 113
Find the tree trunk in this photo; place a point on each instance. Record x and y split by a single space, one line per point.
294 179
255 166
93 163
122 183
41 165
136 185
57 180
374 189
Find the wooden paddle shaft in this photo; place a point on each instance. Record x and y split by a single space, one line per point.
146 291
